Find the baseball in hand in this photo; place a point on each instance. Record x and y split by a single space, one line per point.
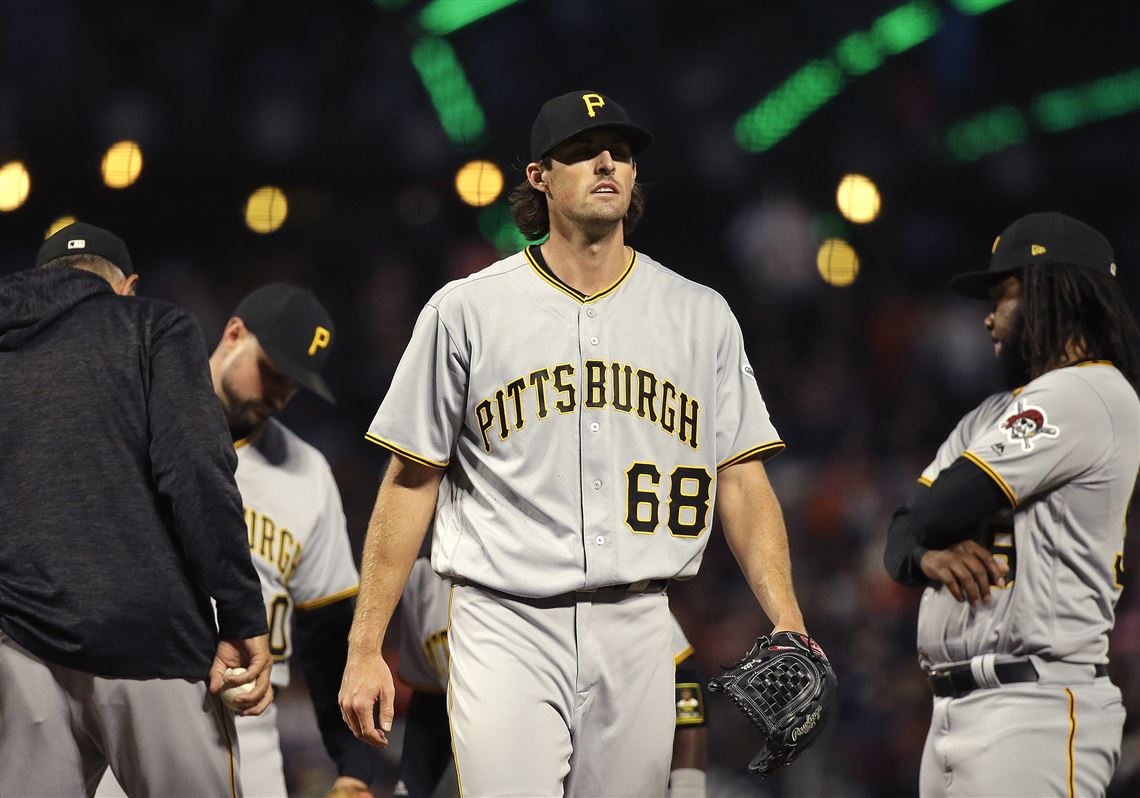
230 693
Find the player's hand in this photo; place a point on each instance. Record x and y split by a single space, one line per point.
252 653
367 686
348 787
967 569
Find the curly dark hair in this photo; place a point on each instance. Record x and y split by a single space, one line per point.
1062 304
532 218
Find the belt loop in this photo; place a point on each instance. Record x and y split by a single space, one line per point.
982 669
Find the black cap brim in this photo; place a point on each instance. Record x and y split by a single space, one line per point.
639 138
309 380
977 285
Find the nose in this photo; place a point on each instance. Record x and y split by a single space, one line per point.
605 162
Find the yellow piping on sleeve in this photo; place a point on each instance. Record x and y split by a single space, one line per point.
332 598
681 656
766 449
403 452
925 481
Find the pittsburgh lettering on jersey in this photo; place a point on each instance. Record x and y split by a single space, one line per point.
272 543
615 386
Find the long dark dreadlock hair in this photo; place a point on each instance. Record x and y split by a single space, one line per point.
1063 304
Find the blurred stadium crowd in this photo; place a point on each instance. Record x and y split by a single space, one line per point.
863 381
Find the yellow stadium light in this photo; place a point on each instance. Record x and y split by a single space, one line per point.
14 185
59 224
122 164
837 262
266 209
858 199
479 183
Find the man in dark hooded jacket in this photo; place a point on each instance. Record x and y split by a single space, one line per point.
119 521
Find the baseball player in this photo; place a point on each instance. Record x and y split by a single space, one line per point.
426 767
1017 528
113 544
277 340
571 415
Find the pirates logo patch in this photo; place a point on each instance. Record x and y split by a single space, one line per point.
1027 424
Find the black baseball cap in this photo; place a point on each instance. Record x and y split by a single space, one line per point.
79 238
295 331
1039 238
575 112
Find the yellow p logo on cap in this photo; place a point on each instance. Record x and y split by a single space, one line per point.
321 338
593 101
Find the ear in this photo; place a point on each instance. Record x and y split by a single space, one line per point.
234 332
126 286
534 176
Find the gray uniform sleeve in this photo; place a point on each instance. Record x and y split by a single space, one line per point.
743 427
1050 433
422 413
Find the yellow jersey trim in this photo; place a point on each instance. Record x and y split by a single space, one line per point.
242 441
574 294
1072 736
450 692
403 452
1095 363
767 450
994 475
682 656
332 598
925 481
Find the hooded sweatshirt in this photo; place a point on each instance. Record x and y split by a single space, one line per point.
119 515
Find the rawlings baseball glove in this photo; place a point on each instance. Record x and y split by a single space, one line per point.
786 686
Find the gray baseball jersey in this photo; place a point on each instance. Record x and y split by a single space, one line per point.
581 435
1065 451
297 534
299 545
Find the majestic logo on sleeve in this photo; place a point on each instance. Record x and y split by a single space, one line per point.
1027 424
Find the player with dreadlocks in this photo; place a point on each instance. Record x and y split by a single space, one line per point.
1017 528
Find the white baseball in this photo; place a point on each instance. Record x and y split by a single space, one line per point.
230 693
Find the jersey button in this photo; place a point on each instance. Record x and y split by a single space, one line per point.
594 340
591 312
599 540
597 484
595 426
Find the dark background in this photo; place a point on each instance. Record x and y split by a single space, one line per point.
323 100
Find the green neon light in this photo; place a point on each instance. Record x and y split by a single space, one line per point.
441 17
451 94
973 7
784 109
1051 112
906 26
808 88
1100 99
987 133
858 53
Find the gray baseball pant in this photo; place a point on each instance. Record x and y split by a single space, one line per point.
61 728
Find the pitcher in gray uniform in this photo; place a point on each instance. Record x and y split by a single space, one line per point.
570 415
1017 529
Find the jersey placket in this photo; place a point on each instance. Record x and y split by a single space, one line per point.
598 506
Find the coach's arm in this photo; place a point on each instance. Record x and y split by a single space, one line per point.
404 508
754 528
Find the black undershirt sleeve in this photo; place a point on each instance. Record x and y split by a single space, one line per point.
322 649
937 517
